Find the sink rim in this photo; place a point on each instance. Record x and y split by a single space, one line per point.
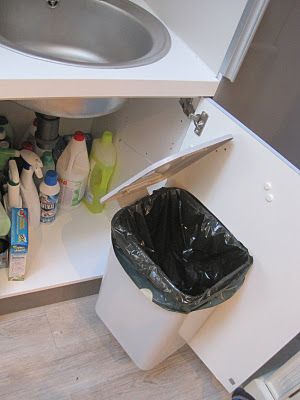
159 33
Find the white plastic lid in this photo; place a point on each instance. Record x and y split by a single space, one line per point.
165 168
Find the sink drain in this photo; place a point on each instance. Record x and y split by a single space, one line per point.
52 3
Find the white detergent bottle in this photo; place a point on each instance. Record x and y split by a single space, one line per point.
49 191
73 170
4 221
14 199
32 165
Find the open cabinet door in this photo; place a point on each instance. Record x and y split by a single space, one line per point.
256 194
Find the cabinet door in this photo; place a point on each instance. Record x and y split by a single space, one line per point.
256 193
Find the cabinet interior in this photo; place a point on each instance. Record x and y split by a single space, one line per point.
230 182
75 248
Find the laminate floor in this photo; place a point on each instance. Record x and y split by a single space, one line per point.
64 352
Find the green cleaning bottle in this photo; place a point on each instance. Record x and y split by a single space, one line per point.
5 155
102 164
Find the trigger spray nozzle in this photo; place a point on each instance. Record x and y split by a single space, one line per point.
33 161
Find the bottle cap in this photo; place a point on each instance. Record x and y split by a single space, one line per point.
79 136
27 146
2 133
4 145
51 178
107 137
3 120
47 158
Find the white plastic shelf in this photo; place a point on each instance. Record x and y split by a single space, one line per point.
73 249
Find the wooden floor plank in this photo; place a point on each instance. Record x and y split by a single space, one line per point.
74 321
182 376
64 352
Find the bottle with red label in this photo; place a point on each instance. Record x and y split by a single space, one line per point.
73 170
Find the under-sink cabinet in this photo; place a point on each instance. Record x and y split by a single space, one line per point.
245 183
252 189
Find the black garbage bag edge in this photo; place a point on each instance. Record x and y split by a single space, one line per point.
148 274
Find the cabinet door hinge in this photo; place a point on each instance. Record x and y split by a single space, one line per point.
198 119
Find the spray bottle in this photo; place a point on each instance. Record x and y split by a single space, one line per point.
13 199
8 128
32 165
5 155
4 220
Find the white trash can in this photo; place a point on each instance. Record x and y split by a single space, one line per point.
152 324
147 332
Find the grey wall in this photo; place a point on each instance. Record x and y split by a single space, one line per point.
266 93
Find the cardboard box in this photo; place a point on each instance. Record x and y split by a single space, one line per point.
18 244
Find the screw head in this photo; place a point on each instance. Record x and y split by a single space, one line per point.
269 197
268 186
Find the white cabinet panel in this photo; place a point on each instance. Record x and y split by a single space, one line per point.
202 32
256 194
207 26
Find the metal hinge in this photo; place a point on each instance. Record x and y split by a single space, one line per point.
189 110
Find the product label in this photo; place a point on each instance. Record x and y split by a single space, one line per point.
88 193
19 231
48 207
89 197
17 267
71 192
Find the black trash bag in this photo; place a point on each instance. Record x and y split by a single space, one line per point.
173 245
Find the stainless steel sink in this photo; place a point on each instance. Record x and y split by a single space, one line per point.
73 107
89 33
84 33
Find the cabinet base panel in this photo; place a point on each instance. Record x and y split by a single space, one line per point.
49 296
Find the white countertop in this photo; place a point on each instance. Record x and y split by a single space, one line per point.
180 73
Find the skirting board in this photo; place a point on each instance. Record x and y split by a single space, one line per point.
49 296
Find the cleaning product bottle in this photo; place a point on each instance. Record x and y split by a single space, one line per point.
4 140
49 190
7 127
30 132
4 246
4 221
5 155
13 197
27 141
32 165
73 170
48 163
102 164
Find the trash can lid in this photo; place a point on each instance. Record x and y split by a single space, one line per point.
164 168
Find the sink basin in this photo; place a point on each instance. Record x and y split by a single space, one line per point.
86 33
73 107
